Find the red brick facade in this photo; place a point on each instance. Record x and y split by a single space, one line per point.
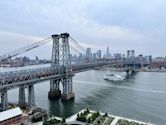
11 121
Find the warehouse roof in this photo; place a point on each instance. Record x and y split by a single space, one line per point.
10 113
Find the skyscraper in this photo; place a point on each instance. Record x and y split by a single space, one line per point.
99 54
88 54
107 53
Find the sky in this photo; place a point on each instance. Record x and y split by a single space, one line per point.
119 24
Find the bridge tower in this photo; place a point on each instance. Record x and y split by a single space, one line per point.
66 62
130 62
55 61
61 57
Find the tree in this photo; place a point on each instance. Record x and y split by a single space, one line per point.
63 120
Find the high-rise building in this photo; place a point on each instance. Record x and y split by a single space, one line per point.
88 53
99 54
94 56
107 53
148 59
117 56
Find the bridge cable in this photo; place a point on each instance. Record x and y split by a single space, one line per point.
24 49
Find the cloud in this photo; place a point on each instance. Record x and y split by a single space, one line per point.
137 14
129 24
14 39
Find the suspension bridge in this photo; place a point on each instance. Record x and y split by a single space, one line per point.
60 71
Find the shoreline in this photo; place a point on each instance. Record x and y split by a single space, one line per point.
114 122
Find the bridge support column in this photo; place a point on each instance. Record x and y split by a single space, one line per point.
67 89
54 89
4 100
54 83
31 96
66 61
22 102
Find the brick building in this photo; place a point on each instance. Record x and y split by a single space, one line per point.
11 116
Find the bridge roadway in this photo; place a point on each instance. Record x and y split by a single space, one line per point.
14 79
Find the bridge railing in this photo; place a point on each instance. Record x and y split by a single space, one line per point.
20 76
25 75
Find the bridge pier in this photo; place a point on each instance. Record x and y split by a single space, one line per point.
4 100
67 89
54 89
66 61
55 92
31 96
22 102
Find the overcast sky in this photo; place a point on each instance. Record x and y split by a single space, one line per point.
121 24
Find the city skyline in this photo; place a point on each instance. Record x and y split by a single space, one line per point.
93 24
82 62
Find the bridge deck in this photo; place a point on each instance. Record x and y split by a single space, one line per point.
14 79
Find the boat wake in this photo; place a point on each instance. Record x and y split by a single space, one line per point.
121 87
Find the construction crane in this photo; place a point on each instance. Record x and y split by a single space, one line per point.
23 50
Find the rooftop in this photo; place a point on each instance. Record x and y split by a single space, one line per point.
10 113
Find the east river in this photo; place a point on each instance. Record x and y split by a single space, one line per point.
140 96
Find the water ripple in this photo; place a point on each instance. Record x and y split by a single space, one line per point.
121 87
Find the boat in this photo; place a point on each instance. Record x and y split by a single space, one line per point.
113 77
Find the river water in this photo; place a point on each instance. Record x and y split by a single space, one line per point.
140 96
